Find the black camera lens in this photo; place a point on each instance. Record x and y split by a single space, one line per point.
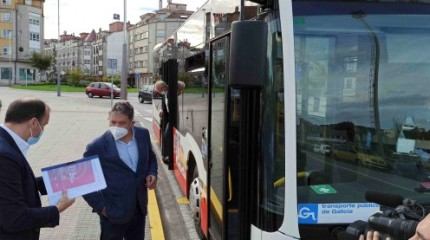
397 228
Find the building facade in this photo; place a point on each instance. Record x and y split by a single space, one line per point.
21 29
149 32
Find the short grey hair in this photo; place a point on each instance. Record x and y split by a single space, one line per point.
123 107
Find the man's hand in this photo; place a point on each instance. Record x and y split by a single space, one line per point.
371 235
423 230
64 202
151 181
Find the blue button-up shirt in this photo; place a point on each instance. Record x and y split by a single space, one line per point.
128 152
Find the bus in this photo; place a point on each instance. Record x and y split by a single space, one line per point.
266 81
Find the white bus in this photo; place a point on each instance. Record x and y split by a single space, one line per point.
266 80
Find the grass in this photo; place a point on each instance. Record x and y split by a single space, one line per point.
53 88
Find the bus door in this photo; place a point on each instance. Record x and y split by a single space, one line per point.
218 134
233 137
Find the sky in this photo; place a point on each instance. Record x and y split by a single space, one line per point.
77 16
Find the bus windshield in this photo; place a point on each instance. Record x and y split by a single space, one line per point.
363 111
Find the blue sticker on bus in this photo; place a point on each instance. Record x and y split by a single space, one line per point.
308 213
334 213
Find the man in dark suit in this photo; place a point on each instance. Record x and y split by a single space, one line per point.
21 211
130 168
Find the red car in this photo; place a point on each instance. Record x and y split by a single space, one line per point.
102 89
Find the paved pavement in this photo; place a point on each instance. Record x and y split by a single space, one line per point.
75 121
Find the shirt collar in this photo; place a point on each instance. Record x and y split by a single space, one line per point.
22 145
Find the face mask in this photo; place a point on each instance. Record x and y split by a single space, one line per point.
118 132
33 140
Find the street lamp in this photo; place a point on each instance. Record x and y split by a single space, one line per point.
58 46
124 57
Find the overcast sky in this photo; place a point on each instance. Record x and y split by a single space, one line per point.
77 16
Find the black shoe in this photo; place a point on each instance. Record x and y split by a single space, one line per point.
165 160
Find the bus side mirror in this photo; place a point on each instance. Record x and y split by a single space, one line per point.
248 54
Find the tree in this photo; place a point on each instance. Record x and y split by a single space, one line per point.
185 77
41 61
75 76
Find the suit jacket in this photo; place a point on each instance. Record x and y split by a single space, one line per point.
126 189
21 212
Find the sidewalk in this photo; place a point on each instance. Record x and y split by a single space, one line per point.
75 121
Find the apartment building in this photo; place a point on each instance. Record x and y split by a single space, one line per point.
21 32
152 30
100 53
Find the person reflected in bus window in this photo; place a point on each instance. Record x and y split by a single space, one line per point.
130 168
162 88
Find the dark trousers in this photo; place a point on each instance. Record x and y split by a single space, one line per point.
133 230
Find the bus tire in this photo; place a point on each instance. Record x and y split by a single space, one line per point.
194 198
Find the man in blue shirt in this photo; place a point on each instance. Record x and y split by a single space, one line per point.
130 168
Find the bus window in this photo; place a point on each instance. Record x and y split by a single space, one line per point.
217 171
272 168
363 115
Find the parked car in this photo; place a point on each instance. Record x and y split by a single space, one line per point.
145 93
323 149
345 152
102 89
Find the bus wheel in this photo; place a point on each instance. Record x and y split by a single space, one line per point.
195 202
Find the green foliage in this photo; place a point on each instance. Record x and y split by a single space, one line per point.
41 61
116 79
185 77
75 76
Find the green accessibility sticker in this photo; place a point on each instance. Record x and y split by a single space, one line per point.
323 189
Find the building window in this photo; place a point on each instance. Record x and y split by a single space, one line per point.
145 63
34 19
34 37
34 22
34 50
6 73
145 49
6 50
26 74
28 2
6 33
6 2
161 33
6 17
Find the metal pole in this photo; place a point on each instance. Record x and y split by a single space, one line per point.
10 55
111 90
124 57
57 54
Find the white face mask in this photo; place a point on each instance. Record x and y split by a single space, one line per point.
118 132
